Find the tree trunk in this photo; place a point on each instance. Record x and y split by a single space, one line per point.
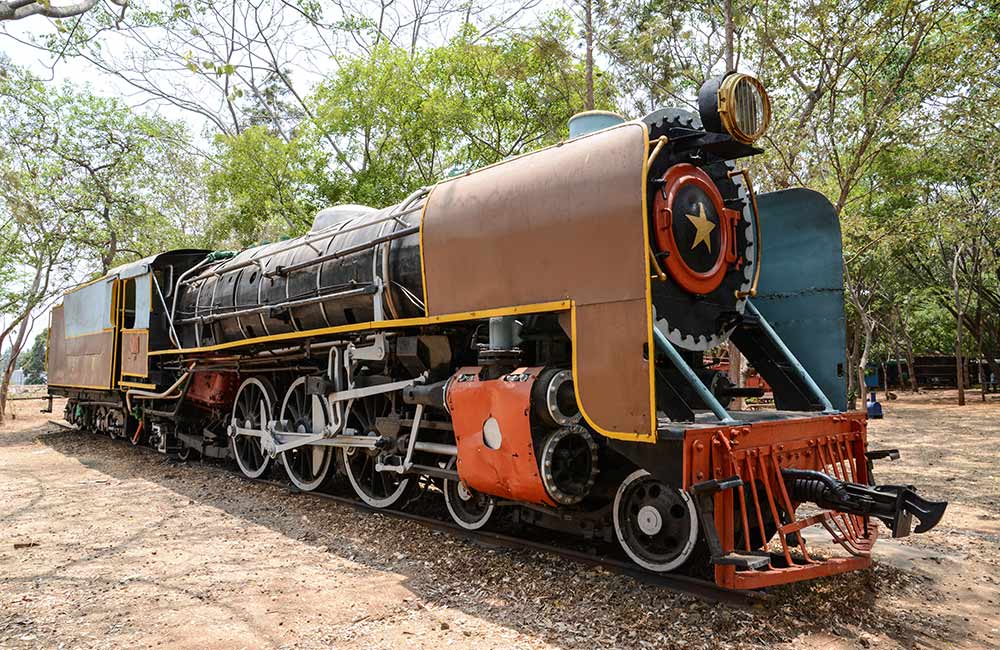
895 353
22 332
8 371
588 6
852 355
982 367
736 372
911 366
866 324
959 364
730 59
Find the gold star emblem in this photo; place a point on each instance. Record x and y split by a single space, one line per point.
704 227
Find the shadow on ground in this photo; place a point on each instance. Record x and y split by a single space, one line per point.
537 594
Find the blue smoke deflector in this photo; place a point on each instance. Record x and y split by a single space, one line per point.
801 290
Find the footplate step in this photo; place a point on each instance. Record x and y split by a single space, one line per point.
704 499
744 561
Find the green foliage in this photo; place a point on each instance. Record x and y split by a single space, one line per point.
89 173
390 121
404 119
267 187
33 361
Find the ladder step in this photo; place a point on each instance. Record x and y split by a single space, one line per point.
745 561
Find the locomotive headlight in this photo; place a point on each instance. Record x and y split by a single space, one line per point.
736 104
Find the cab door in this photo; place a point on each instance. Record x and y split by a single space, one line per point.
136 305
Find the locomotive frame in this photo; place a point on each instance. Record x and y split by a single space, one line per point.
527 338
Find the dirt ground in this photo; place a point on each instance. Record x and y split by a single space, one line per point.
104 547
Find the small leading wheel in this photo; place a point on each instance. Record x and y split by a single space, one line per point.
377 489
101 422
251 411
185 453
470 509
656 524
307 466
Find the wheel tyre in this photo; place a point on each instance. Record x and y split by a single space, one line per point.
469 509
291 412
398 494
264 392
626 521
322 476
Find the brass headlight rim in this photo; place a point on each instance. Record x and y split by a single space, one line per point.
726 97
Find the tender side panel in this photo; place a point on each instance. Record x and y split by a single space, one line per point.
82 361
566 222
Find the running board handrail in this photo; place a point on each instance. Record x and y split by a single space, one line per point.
667 348
800 370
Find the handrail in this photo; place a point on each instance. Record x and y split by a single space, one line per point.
699 387
758 243
399 211
371 243
173 304
792 360
281 306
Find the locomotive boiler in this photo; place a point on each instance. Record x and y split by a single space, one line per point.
527 340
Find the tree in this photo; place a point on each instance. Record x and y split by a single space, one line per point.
18 9
266 187
94 164
400 121
33 362
83 186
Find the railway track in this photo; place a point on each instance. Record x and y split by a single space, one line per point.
677 583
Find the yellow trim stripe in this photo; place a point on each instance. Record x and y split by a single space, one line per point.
423 264
651 344
81 386
399 323
136 384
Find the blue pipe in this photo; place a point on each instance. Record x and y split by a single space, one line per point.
706 395
799 368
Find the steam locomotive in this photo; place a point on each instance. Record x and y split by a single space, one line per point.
528 340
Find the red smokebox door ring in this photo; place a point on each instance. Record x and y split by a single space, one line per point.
677 178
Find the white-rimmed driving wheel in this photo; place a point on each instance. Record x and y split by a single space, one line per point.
378 489
251 411
657 525
307 466
470 509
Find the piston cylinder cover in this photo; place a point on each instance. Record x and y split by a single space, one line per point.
553 398
569 463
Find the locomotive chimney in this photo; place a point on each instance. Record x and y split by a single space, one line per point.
590 121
